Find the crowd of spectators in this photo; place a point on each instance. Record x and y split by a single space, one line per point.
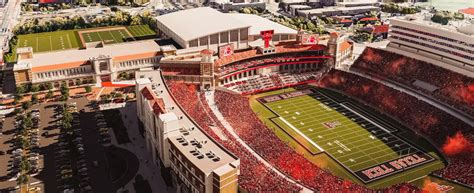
263 140
254 176
451 87
423 118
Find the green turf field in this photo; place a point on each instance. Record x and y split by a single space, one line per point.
108 37
354 141
348 147
50 41
141 31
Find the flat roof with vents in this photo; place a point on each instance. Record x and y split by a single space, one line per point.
193 144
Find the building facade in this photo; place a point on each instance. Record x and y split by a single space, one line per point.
196 162
86 66
443 43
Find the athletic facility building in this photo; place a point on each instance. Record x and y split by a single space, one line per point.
451 46
217 28
91 65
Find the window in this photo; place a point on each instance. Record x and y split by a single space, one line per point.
203 41
244 34
214 39
224 37
193 43
234 35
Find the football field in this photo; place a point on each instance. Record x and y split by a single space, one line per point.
107 36
140 31
50 41
363 147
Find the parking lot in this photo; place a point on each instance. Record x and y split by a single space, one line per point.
66 157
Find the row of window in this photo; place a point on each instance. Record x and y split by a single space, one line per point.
139 62
434 47
184 174
66 72
434 35
221 38
434 41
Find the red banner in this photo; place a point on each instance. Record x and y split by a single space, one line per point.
226 50
309 39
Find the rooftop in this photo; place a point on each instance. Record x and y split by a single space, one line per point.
459 27
194 23
469 11
336 9
259 24
190 132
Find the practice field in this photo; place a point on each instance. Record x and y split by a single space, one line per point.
364 148
50 41
141 31
107 36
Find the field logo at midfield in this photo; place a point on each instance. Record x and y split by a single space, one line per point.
332 124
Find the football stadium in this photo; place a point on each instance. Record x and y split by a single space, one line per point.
298 119
245 104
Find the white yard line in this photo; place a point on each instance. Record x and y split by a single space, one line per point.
50 44
69 41
303 135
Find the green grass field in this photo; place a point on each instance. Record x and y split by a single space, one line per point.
108 37
50 41
138 31
348 146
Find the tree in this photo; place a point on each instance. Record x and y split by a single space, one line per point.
88 89
34 88
49 85
20 89
64 92
78 82
26 105
34 98
25 164
118 95
49 95
27 122
23 179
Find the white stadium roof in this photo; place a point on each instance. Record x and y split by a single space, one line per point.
259 24
198 22
203 21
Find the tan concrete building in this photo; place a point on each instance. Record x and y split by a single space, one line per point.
197 163
91 65
452 46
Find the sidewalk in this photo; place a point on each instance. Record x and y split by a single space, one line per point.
147 169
